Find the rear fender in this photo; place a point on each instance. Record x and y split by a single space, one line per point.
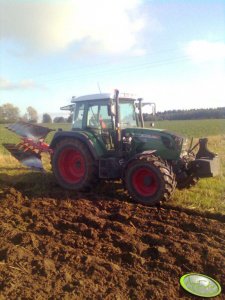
61 135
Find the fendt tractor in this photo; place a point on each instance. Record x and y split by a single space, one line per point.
108 141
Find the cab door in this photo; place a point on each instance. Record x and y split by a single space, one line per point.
100 122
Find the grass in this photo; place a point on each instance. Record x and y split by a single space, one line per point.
194 128
207 195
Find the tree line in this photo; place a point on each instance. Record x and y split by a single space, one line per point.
11 114
189 114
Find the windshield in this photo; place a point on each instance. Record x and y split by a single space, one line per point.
127 115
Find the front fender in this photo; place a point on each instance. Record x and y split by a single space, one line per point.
144 153
136 156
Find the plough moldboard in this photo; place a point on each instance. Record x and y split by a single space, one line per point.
28 151
28 130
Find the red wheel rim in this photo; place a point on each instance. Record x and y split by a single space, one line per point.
71 165
145 182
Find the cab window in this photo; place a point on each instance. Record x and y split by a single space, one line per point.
97 116
78 115
127 115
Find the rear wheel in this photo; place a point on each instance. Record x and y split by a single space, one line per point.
73 165
149 180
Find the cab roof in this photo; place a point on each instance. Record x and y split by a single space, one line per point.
102 96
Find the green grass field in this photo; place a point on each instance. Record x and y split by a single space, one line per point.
207 195
194 128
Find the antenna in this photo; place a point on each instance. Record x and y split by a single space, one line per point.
99 88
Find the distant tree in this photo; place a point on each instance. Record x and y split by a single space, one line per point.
32 114
24 117
59 120
9 113
191 114
46 118
69 119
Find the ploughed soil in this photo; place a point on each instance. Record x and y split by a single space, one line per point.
92 246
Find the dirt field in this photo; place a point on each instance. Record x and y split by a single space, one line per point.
100 248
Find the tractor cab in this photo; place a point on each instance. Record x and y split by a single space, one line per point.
107 117
99 111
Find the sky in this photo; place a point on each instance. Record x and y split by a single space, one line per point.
168 52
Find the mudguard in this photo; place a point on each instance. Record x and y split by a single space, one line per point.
81 136
136 156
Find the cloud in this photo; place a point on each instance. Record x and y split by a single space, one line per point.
26 84
195 93
48 26
202 51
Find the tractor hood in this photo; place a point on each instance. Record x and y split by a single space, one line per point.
166 144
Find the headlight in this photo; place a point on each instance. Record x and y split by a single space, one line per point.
168 142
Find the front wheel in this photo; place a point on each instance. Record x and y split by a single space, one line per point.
149 180
73 165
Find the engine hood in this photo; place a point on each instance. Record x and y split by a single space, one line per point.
166 144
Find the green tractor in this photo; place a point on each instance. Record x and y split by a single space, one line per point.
108 141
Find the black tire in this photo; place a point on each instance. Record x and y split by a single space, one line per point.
159 180
73 166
